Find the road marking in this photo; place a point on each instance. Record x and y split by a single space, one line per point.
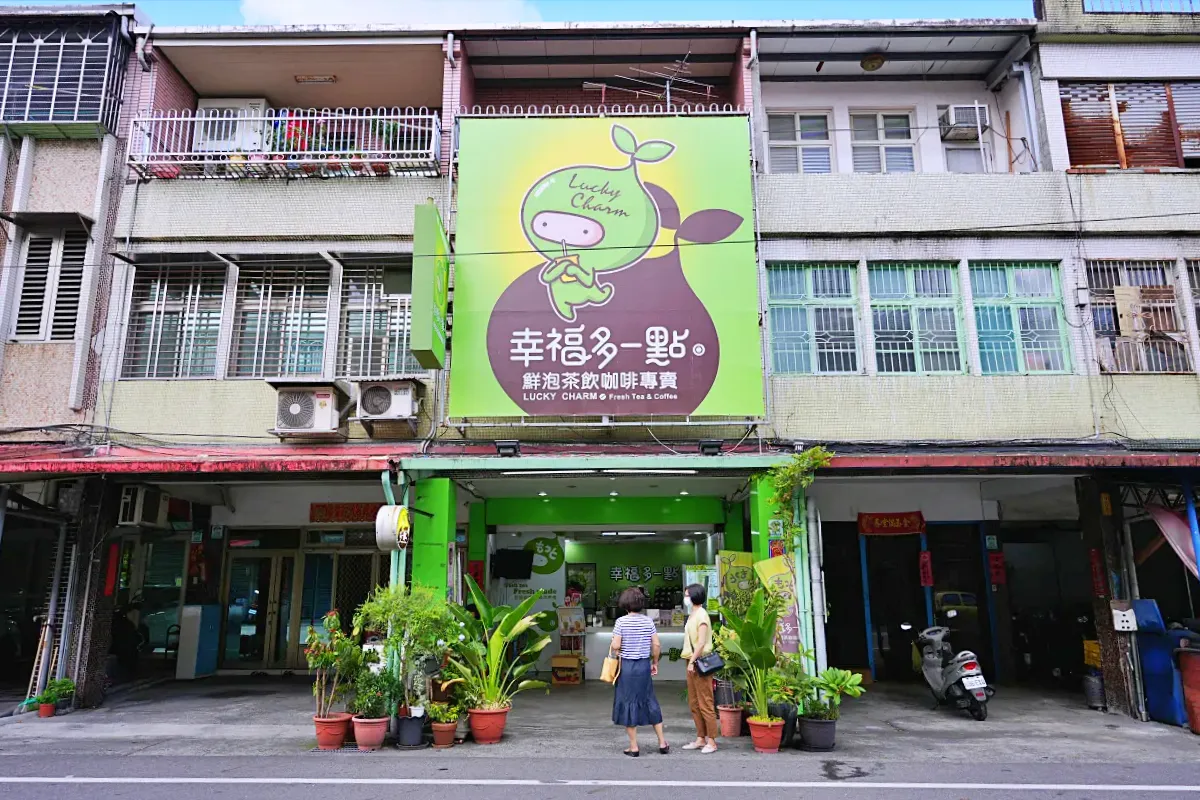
660 784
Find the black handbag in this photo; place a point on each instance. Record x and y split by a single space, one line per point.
707 665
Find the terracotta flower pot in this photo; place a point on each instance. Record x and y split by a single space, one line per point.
331 730
443 734
766 735
731 720
487 726
370 733
46 709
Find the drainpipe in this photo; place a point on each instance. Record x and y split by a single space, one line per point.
816 578
753 48
450 51
800 556
1022 70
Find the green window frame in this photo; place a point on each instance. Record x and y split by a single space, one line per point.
1019 318
813 317
916 317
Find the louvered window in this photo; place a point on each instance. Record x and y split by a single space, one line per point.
375 326
174 321
1132 125
51 286
280 317
1019 317
813 316
914 314
883 143
800 143
1135 316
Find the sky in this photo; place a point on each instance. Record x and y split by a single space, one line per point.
463 13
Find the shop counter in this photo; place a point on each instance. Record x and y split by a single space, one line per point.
598 640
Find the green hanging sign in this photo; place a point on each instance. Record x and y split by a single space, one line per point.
430 287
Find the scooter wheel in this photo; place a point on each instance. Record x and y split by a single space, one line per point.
979 711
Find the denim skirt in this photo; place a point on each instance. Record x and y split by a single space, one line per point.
634 703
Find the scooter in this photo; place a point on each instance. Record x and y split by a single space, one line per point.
953 678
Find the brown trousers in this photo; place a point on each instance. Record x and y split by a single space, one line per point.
700 701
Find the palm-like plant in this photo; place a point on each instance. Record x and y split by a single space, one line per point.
483 665
752 645
827 690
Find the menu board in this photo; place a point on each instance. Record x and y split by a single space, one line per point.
705 575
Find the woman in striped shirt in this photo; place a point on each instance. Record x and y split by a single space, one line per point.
636 640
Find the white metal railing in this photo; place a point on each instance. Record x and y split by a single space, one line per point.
600 110
1141 6
286 142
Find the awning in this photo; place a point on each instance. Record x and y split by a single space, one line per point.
1177 532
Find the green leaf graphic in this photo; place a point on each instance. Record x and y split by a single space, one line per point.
625 141
653 151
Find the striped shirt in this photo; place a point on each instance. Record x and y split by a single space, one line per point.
636 631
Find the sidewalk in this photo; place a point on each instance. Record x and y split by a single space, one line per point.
273 716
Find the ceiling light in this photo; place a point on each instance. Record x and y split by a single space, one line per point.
610 533
710 447
550 471
872 63
651 471
684 493
613 494
316 78
636 533
541 494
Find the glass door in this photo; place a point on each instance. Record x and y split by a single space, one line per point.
258 610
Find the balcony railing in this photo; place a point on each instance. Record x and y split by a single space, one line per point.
286 143
1141 6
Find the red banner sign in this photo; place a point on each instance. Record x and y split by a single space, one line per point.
475 570
999 575
926 568
342 513
1099 583
891 524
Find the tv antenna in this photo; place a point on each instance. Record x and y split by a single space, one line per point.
660 85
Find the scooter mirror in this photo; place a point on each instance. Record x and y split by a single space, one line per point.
952 613
905 626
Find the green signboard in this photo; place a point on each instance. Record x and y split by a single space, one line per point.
606 267
430 286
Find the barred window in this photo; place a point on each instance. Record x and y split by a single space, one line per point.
51 286
374 333
813 316
174 321
1019 317
1134 315
800 143
914 311
280 317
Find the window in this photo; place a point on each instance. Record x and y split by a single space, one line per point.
883 143
174 321
964 159
800 143
1159 124
812 315
914 310
1019 318
51 286
1134 316
373 336
280 317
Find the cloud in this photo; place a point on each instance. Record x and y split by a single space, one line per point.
447 13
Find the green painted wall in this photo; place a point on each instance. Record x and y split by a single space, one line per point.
605 511
432 536
762 510
735 527
477 533
629 554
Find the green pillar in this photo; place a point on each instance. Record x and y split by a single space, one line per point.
762 511
735 528
432 535
477 533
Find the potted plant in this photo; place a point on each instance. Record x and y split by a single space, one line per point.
752 642
486 666
787 686
418 625
371 717
336 659
56 690
729 713
443 718
818 725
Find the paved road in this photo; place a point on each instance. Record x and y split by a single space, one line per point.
350 776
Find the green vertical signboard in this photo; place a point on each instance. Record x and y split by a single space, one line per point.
430 286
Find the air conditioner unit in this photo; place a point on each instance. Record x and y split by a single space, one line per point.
307 411
145 506
385 400
964 123
227 125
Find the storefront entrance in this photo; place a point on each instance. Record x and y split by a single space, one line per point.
259 629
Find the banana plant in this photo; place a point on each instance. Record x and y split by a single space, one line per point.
484 667
752 644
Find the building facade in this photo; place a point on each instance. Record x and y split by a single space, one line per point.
959 254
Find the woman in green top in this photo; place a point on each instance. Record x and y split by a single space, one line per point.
697 643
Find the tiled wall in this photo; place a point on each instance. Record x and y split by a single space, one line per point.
64 176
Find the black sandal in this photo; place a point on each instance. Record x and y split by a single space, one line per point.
632 753
664 749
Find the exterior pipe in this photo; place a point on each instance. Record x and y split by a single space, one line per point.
450 51
816 579
803 591
753 48
1022 70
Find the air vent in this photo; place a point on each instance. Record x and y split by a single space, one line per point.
376 400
